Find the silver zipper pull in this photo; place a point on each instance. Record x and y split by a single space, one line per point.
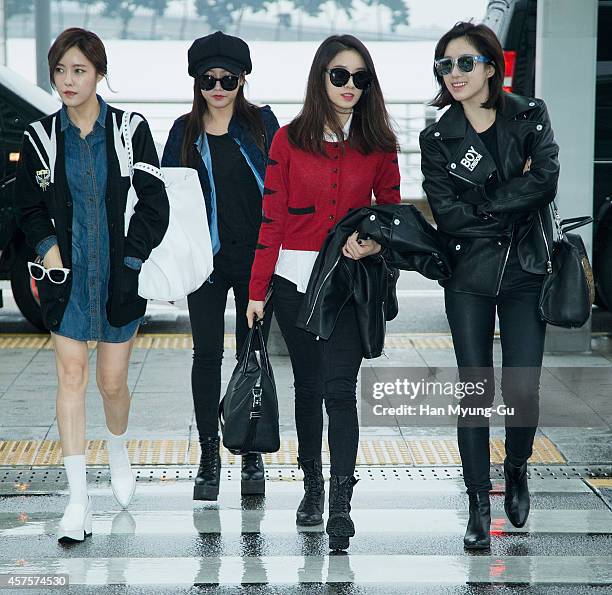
549 267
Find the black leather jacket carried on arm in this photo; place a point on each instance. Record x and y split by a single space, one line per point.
482 210
408 242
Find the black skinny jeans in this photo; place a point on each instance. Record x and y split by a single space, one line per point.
322 370
472 321
207 317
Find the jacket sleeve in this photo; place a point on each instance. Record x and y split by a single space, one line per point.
452 215
275 201
537 187
152 211
32 214
386 185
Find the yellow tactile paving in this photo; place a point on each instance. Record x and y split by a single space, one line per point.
388 451
601 483
184 341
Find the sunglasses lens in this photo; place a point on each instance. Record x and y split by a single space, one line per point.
339 77
57 275
229 82
36 271
466 63
362 79
207 82
443 66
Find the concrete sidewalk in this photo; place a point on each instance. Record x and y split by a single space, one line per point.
162 410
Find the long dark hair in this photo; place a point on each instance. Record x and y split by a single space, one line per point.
194 126
370 128
486 43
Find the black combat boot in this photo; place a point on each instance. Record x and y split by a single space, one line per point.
516 501
340 526
253 481
310 510
477 534
209 472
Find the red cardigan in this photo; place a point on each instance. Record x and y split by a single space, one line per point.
306 194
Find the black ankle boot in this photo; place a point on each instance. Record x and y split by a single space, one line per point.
516 502
340 526
310 510
209 472
477 534
253 481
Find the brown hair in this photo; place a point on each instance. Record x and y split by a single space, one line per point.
87 41
370 128
486 43
194 125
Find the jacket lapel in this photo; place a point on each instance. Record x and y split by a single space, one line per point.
471 161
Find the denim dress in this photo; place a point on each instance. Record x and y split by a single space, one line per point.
86 170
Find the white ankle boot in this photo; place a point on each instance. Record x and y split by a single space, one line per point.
123 482
75 525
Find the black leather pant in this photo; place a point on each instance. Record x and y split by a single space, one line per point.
322 370
472 321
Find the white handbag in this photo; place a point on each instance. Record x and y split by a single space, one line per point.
184 259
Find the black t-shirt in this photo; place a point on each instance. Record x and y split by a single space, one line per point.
237 193
489 139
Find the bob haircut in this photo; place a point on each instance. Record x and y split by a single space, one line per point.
87 41
486 43
371 129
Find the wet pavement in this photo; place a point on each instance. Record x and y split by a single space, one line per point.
409 506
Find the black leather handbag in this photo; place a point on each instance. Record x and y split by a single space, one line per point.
568 290
248 413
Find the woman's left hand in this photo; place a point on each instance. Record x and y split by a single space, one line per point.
357 249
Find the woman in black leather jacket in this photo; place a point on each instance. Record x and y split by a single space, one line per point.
490 170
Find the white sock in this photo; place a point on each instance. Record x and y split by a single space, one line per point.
77 478
117 451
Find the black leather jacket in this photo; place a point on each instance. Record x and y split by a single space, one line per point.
409 243
481 210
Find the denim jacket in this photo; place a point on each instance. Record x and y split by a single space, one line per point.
248 147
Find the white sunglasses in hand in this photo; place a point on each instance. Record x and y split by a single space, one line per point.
56 275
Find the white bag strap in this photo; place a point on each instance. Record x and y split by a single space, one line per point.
49 144
127 138
127 141
151 169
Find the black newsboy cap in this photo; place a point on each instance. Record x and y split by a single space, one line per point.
219 50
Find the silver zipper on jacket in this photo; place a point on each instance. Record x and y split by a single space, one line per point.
452 173
320 288
549 261
505 261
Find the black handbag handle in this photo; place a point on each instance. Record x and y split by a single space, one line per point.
565 225
575 223
256 392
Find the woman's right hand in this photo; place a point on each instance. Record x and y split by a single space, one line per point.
254 309
53 258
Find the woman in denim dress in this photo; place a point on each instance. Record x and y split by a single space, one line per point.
71 209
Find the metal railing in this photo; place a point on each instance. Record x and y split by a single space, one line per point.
409 118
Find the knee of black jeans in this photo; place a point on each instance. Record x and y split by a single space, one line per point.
206 359
340 402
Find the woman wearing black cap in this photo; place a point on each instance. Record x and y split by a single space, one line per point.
226 139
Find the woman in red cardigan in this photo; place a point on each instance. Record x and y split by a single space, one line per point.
330 159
